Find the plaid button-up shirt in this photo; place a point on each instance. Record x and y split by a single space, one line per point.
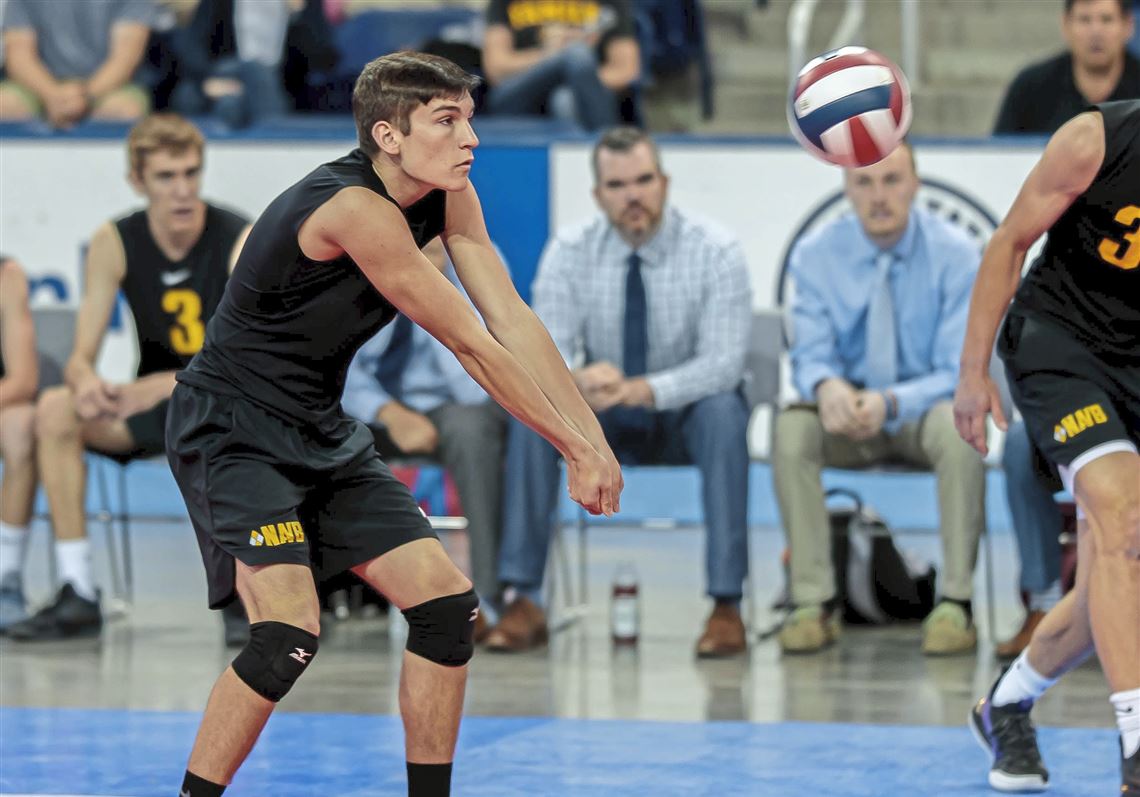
698 295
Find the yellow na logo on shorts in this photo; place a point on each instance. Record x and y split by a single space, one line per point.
277 534
1076 422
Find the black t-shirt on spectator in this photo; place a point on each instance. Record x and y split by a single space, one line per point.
1044 95
525 18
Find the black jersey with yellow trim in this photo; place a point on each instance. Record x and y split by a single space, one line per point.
1087 278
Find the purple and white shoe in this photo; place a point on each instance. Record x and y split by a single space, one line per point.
1008 735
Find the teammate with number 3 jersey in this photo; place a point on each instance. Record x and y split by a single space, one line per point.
1071 347
170 261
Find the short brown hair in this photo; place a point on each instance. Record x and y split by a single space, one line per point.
168 132
623 139
392 86
1125 6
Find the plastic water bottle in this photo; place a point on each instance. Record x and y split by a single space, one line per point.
625 609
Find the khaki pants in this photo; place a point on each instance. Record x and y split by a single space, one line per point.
802 449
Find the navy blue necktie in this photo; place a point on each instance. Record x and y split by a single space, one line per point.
635 346
390 368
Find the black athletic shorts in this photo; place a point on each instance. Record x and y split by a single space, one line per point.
1077 405
265 491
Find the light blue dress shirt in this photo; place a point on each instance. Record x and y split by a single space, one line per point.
833 270
432 378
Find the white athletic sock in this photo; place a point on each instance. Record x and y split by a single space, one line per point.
1021 682
13 546
73 558
1045 599
1127 705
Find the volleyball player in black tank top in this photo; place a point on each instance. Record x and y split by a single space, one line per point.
171 261
281 483
1071 346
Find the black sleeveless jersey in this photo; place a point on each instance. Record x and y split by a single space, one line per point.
288 326
172 301
1087 278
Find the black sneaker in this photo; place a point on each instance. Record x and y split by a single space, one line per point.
1008 735
68 616
1129 772
235 625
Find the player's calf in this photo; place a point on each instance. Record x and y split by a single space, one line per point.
442 629
274 658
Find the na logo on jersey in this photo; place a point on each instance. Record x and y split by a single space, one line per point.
1077 421
277 534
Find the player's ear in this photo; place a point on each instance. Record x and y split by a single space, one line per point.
135 179
387 137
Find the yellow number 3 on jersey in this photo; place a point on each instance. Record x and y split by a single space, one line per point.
1124 255
188 333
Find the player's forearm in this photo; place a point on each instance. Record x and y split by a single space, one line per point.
77 371
997 280
29 71
159 385
17 389
510 384
127 50
113 74
508 64
527 340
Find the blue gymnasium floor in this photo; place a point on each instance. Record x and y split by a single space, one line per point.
141 754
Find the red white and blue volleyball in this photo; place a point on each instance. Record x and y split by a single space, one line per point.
850 107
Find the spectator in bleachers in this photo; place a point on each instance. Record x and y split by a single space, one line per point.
878 320
230 60
69 60
1037 525
170 261
1096 67
570 59
19 379
654 305
419 402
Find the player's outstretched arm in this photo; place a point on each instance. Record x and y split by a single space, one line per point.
512 322
374 234
104 271
1066 169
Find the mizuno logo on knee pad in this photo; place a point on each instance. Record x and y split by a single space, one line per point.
274 658
441 630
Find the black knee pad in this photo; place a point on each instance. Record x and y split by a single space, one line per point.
441 629
274 658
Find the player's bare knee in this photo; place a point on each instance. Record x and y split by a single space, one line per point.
17 433
274 658
442 629
55 414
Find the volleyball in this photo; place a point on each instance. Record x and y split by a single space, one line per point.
850 107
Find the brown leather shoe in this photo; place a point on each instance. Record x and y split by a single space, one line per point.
521 627
481 629
724 634
1012 647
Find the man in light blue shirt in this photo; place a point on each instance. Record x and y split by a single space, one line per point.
878 321
419 402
